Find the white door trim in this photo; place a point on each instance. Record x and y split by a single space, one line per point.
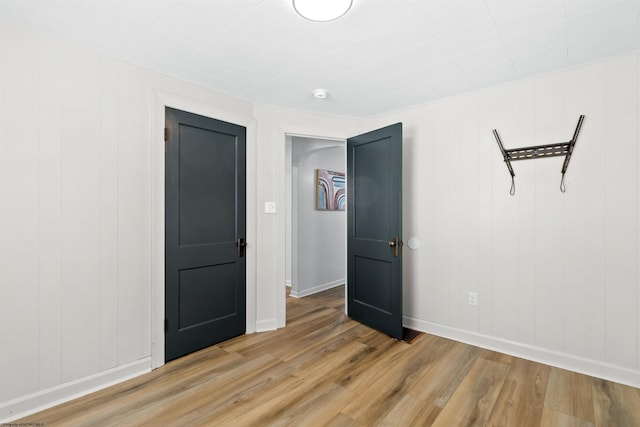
160 101
285 130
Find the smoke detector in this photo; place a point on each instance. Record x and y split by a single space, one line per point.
320 93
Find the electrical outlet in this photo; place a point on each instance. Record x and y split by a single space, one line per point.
473 298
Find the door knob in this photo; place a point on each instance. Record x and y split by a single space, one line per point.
395 244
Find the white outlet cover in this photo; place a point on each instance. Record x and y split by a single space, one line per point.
473 298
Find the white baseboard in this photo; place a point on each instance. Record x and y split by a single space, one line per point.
36 402
317 289
287 283
570 362
266 325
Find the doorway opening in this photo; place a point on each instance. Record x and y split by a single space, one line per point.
316 240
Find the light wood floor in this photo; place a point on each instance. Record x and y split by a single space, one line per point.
324 369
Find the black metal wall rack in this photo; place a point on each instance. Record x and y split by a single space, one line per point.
537 151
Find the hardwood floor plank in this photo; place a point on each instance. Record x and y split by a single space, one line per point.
494 356
361 378
325 369
315 413
333 298
387 390
558 419
473 400
213 394
615 404
318 364
570 393
281 405
337 333
140 392
373 338
341 420
304 333
248 406
441 381
350 373
411 412
521 400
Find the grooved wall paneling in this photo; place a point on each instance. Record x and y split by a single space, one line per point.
556 274
19 252
75 211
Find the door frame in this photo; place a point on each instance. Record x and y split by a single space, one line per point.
157 124
340 144
294 130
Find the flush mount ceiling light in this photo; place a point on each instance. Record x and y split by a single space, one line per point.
322 10
320 93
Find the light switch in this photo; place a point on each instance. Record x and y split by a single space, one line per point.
270 207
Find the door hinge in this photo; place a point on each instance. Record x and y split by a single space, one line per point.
166 325
166 134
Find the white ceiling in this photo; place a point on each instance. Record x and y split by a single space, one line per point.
383 55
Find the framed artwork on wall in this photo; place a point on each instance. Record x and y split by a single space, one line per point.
330 190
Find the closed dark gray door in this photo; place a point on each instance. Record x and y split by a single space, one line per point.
374 208
205 230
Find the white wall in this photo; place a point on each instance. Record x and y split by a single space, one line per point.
81 214
318 236
273 126
74 274
76 216
556 274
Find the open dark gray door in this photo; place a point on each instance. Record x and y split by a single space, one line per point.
374 207
204 232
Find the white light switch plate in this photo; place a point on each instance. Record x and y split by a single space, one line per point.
270 207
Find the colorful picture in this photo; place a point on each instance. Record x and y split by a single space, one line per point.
330 191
